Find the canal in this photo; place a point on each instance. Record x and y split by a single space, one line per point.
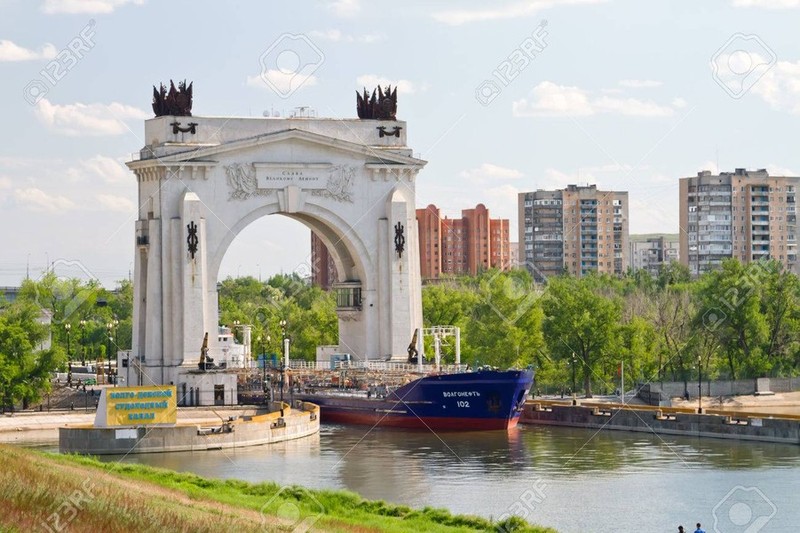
571 479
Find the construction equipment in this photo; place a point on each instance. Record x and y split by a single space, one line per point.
206 362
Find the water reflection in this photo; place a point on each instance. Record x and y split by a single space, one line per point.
595 481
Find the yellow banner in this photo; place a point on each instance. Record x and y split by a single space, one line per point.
137 406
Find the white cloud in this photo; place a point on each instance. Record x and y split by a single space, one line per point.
776 170
488 172
457 17
112 202
780 87
285 82
550 99
345 8
38 200
337 36
5 183
13 52
640 84
502 203
109 170
88 7
678 103
370 81
87 119
631 107
767 4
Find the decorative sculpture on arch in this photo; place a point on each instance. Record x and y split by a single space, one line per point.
380 106
399 239
176 102
340 184
241 180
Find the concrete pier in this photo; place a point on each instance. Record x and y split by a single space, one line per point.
720 424
281 424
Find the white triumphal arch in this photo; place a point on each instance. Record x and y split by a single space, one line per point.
203 179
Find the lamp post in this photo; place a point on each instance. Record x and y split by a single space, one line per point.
574 364
68 327
285 343
699 385
83 342
283 371
109 330
260 347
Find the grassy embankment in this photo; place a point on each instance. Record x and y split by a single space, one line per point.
46 492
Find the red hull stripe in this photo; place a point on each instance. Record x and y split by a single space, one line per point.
413 422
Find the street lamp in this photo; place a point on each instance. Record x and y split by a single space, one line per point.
109 331
68 327
83 342
285 343
574 364
699 385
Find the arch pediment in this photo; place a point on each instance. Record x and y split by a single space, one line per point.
371 154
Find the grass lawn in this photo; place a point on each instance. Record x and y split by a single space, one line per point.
52 493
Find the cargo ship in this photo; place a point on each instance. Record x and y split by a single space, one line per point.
468 401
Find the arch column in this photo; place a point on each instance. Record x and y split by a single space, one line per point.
196 195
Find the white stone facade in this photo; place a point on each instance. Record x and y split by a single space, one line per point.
351 181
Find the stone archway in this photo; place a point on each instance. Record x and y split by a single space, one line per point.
345 179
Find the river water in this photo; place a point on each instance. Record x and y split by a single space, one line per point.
573 480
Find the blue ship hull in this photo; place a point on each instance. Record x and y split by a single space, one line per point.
467 401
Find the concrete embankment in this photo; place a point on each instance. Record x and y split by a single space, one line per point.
668 421
34 427
282 424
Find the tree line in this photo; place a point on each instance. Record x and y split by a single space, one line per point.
79 315
739 321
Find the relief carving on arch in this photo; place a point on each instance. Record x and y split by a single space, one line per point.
339 186
242 181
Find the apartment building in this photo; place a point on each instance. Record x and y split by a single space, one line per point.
652 252
465 245
323 269
746 214
577 230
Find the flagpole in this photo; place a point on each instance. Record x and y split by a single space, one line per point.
622 379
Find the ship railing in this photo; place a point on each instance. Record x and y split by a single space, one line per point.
384 366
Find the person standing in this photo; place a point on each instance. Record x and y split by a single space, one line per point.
680 529
699 529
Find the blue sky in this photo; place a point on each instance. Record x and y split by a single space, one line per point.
620 93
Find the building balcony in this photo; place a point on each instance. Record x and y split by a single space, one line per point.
348 295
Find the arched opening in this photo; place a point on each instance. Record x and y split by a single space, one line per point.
292 280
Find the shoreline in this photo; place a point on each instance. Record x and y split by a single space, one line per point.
53 492
736 423
17 427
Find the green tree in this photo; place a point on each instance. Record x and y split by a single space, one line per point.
506 325
581 323
24 368
780 290
729 308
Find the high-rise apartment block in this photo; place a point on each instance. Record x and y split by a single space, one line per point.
748 215
323 269
576 230
466 245
652 252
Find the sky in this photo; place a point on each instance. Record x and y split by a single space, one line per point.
499 98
